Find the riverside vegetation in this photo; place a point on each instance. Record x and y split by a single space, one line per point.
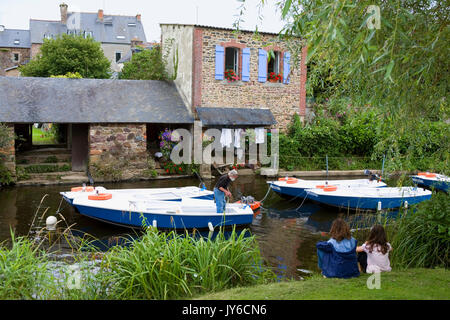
156 266
168 265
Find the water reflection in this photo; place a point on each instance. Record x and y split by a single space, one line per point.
286 231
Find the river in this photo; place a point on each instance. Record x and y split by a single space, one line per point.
286 231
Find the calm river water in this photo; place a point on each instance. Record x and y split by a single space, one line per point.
286 235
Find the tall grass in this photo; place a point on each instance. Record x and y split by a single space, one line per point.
422 235
23 270
170 266
156 266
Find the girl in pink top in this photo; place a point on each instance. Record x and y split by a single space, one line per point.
376 249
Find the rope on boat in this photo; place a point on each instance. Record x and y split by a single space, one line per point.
267 193
306 195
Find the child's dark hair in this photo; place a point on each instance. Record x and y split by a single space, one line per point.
340 230
377 236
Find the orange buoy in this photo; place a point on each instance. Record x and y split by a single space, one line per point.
255 205
292 181
330 188
422 174
430 175
320 186
287 179
100 196
86 189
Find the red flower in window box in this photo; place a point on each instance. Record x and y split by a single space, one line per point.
231 76
273 77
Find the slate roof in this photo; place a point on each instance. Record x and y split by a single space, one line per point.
9 36
61 100
106 31
235 116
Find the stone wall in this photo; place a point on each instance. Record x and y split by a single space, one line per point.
284 100
8 154
7 58
117 151
178 39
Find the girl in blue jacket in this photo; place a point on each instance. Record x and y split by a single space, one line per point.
337 256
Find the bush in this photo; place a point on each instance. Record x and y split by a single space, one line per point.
422 237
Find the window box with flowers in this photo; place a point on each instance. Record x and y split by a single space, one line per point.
274 77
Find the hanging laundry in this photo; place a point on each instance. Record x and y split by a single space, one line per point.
259 135
226 138
237 138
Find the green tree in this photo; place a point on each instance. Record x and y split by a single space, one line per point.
145 65
69 54
400 67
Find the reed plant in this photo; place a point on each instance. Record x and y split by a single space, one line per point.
422 235
23 270
171 266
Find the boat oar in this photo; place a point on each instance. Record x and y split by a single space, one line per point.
326 159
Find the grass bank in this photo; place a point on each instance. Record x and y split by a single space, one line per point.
411 284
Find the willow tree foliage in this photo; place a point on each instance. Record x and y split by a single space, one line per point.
391 55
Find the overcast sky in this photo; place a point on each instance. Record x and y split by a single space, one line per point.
15 14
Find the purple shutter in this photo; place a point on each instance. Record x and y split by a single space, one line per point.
220 62
262 65
286 66
246 64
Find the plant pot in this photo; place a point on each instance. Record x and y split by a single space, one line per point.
273 80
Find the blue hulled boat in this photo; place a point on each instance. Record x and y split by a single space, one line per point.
368 198
296 188
185 214
432 181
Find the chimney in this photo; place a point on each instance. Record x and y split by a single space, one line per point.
138 17
63 9
100 14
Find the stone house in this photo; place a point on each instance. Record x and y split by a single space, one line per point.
202 57
14 50
107 122
117 35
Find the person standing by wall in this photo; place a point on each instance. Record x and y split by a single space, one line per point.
221 189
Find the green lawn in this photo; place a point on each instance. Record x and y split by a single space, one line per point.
42 137
420 284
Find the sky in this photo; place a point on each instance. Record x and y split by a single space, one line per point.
15 14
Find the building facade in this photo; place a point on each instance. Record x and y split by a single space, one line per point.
117 35
110 131
14 50
220 68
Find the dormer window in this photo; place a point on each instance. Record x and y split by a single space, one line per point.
132 24
88 34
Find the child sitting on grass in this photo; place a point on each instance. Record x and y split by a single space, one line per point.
337 256
373 255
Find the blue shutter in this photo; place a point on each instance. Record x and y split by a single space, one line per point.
220 62
246 64
286 66
262 65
